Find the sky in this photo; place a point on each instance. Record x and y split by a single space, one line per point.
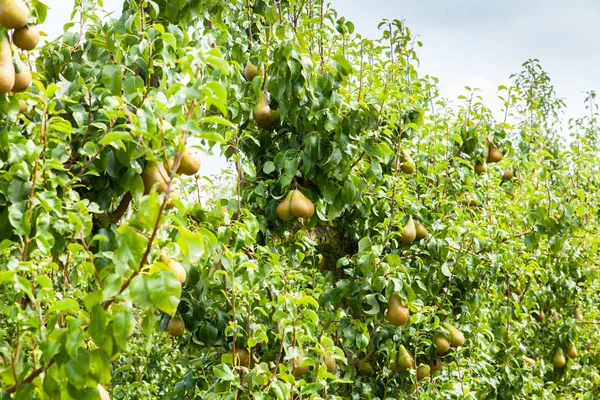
477 43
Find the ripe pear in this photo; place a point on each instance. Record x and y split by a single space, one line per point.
457 338
471 199
176 268
27 37
330 363
242 356
297 369
508 175
7 68
409 231
511 192
529 361
578 315
13 13
397 312
494 154
441 343
423 371
23 76
190 163
300 205
559 359
435 365
284 210
250 72
421 231
408 165
103 393
264 117
405 360
540 316
480 168
176 326
22 106
155 173
572 352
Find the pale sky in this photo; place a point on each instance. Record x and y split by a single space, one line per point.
478 43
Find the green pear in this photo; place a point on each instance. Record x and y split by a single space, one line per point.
176 326
22 106
578 315
508 175
250 72
330 363
529 361
154 173
264 117
435 365
190 163
405 360
23 76
241 356
540 316
494 154
397 312
300 205
423 371
7 68
421 231
480 168
559 359
297 369
441 343
457 338
27 37
176 268
572 352
284 210
408 165
13 13
409 231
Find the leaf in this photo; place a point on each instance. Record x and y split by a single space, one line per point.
222 371
164 290
77 368
64 305
192 246
132 246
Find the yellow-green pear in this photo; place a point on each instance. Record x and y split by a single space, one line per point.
250 72
559 360
176 326
408 165
494 154
13 13
330 363
155 173
435 365
190 163
241 356
300 205
421 231
397 312
27 37
457 338
578 315
7 68
480 168
177 268
508 175
409 231
297 369
405 360
284 210
22 106
572 352
23 76
264 117
423 371
441 343
529 361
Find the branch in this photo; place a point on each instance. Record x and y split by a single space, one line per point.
30 378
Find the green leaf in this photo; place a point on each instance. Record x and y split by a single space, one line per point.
223 372
64 305
165 290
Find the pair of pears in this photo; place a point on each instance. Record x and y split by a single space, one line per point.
442 343
295 204
157 173
412 231
14 75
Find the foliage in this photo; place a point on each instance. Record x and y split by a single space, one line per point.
86 297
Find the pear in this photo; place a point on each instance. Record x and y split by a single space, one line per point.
435 365
578 315
471 199
103 393
176 268
330 363
250 72
155 173
397 312
22 106
264 117
405 360
13 13
529 361
284 210
300 205
441 343
480 168
494 154
323 264
297 369
409 231
511 192
572 352
176 326
23 76
408 165
27 37
457 338
508 175
421 231
540 316
242 357
559 359
423 371
190 163
7 68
